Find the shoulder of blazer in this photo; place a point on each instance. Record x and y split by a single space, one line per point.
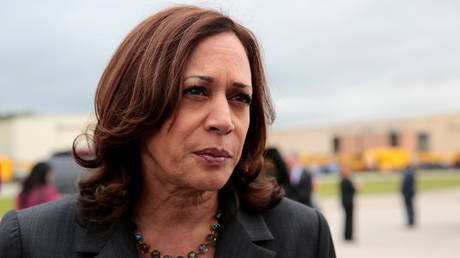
292 215
49 227
51 214
288 230
56 231
298 230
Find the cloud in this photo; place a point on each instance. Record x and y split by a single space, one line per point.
326 61
384 99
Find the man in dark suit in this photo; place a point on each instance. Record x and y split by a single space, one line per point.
300 184
408 192
347 192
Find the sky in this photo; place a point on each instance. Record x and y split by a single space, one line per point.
329 61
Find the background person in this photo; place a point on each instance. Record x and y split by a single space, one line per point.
300 185
275 167
37 187
182 111
408 191
347 193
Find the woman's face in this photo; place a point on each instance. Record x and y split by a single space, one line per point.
203 145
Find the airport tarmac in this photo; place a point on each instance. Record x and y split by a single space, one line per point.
381 232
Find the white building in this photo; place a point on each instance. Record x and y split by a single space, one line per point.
26 139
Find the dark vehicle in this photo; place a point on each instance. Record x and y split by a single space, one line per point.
66 172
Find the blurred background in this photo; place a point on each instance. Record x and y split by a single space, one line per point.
374 85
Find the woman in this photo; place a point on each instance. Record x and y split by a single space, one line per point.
36 188
181 110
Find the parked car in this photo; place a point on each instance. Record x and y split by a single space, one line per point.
66 172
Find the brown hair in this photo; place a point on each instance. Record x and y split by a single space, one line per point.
140 89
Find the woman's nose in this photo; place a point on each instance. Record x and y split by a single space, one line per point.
219 118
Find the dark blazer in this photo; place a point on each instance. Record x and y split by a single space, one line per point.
301 192
408 183
54 230
347 192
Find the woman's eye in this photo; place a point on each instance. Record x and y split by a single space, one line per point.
243 98
195 90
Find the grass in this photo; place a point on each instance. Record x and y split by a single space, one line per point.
374 183
370 183
6 204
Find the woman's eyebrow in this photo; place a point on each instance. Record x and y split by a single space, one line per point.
211 79
241 85
201 77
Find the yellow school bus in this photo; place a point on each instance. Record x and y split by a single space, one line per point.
6 173
386 159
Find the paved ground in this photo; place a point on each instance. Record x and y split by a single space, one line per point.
381 233
9 190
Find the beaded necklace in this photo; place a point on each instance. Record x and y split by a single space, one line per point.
211 240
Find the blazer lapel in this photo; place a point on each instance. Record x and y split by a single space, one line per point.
239 238
108 240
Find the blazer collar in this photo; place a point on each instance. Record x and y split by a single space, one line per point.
108 240
254 226
242 236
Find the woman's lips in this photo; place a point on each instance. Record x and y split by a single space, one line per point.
214 156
